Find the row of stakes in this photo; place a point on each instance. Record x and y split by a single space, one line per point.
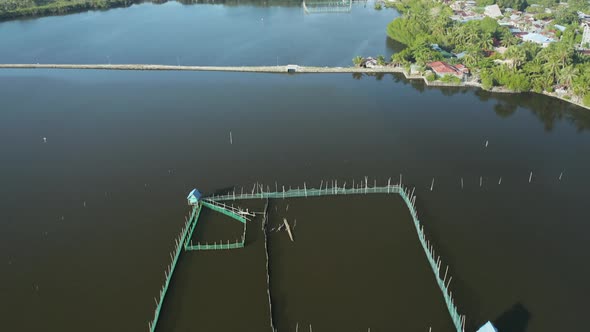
258 188
216 244
178 245
433 258
264 223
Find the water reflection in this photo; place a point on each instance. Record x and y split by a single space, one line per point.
257 3
547 109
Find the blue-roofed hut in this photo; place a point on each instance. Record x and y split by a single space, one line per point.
488 327
193 197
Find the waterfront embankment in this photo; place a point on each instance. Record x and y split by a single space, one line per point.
271 69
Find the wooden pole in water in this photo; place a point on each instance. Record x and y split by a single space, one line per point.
445 278
305 189
480 180
310 330
500 181
451 278
531 177
432 185
400 179
231 141
560 175
461 183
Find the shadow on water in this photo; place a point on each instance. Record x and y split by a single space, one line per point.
515 319
548 110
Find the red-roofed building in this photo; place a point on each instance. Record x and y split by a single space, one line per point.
441 68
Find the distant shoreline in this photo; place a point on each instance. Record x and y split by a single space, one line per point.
269 69
60 7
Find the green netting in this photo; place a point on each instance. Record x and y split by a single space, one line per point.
224 211
168 275
216 246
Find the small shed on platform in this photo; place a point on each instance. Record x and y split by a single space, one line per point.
292 68
193 197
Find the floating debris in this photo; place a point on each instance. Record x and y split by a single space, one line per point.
288 229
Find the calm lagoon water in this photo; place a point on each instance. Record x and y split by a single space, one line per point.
87 219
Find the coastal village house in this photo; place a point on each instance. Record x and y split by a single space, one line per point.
441 68
537 38
369 63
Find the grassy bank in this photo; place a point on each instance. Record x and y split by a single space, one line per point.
12 9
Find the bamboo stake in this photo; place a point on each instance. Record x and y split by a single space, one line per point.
432 185
531 177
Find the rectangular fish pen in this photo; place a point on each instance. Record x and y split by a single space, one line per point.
223 204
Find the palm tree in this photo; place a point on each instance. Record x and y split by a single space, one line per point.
509 40
516 54
487 42
552 68
567 75
357 60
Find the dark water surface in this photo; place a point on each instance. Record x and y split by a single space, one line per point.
88 218
356 263
213 34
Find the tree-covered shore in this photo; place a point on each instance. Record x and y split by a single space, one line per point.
13 9
524 66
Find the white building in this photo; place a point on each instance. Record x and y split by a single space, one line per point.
492 11
586 37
